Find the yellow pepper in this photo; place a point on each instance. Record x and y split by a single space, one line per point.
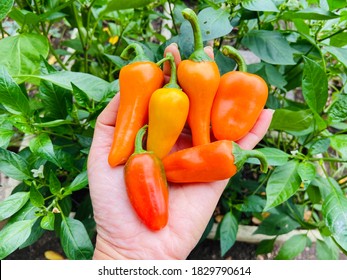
167 115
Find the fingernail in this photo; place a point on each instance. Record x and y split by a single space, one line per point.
173 45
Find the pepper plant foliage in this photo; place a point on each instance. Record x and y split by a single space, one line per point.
59 68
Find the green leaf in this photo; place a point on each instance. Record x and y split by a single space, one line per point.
12 204
228 231
310 13
126 4
54 183
277 224
23 54
47 221
5 7
27 212
307 172
79 182
292 247
42 146
274 157
271 46
338 110
214 23
327 249
294 122
253 203
264 5
13 236
338 142
334 211
11 96
265 246
319 146
35 235
336 4
282 184
80 96
314 85
95 87
75 240
339 40
339 53
6 133
13 165
36 197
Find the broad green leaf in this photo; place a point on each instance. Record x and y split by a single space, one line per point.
126 4
320 145
80 96
6 133
314 85
42 146
253 203
27 212
79 182
214 23
307 172
12 204
47 221
339 53
292 247
75 240
11 96
95 87
23 54
294 122
228 232
334 211
336 4
338 110
56 100
277 224
310 13
13 236
327 249
274 157
338 142
35 235
13 165
265 246
282 184
54 183
339 40
5 7
325 184
271 46
264 5
36 197
314 194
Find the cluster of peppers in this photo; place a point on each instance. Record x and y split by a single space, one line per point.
229 104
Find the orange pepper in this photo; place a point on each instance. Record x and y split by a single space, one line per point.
137 81
199 78
168 110
240 98
218 160
146 185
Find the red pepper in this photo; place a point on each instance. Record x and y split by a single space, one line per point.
240 98
146 185
207 163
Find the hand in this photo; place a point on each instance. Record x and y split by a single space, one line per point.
120 234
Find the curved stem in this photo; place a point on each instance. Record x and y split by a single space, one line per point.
139 52
199 53
138 140
234 54
240 157
173 77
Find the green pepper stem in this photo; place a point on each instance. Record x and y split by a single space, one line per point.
173 78
139 139
240 157
234 54
139 52
199 53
